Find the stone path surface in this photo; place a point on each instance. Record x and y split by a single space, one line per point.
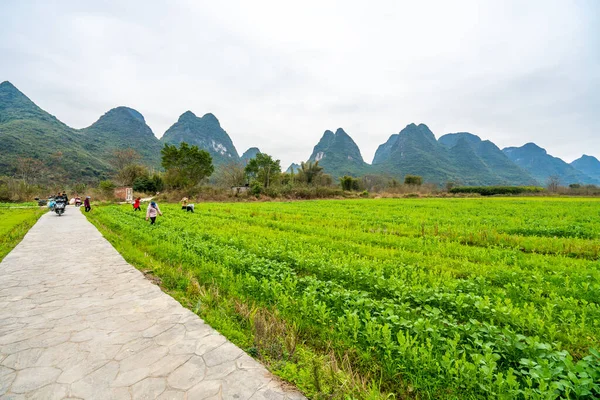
77 321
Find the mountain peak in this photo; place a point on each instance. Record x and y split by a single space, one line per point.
206 133
14 105
187 116
210 117
341 131
451 139
589 165
533 147
126 112
416 131
338 154
9 92
250 154
6 85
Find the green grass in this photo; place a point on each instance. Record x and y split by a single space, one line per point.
433 298
14 224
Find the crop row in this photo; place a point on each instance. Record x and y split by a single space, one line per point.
418 305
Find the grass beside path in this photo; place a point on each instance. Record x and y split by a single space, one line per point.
14 224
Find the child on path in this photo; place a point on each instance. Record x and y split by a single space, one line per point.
86 204
136 204
152 211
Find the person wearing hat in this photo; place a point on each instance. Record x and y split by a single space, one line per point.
86 204
152 212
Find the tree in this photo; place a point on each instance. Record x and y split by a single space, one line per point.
29 169
185 166
125 157
231 174
553 183
148 184
349 183
263 169
413 180
309 171
131 172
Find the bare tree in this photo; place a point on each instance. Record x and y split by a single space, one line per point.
29 169
231 174
121 158
553 183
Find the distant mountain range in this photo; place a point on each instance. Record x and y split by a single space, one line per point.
85 154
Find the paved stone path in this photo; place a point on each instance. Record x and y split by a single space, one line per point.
77 321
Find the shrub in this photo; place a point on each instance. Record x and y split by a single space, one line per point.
413 180
256 188
496 190
349 183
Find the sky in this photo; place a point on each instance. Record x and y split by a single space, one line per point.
277 74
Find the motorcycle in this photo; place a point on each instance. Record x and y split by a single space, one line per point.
77 201
60 206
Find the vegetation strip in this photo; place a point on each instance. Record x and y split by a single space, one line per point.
427 298
14 224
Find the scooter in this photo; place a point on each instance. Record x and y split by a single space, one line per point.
60 206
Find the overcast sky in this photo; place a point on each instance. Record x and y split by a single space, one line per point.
278 73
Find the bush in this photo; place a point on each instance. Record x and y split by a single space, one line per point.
349 183
148 184
256 188
496 190
413 180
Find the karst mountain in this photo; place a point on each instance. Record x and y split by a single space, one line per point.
85 155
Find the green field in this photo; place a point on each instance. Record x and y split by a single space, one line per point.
14 224
415 298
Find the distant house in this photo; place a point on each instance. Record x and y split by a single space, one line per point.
124 194
237 190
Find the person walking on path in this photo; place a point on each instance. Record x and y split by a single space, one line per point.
136 204
152 212
86 204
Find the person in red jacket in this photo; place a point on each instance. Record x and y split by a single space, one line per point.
136 204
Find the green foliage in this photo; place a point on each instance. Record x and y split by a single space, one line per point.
256 188
263 169
496 190
148 184
186 166
349 183
434 298
309 171
413 180
132 172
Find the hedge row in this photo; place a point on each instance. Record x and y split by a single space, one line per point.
494 190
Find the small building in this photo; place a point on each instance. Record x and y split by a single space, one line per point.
124 194
237 190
